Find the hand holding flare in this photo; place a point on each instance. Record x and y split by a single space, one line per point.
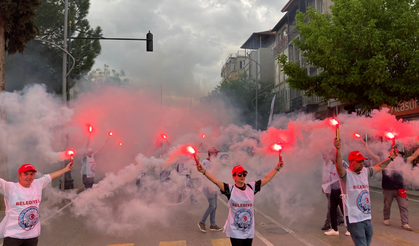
392 137
193 152
278 148
336 123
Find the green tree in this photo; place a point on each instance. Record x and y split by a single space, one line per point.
99 78
41 62
368 51
240 95
17 27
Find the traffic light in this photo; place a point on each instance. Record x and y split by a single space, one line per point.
149 41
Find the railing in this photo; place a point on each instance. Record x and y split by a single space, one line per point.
282 43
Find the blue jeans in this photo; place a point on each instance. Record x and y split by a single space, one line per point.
361 232
212 201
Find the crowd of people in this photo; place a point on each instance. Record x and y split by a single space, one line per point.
345 185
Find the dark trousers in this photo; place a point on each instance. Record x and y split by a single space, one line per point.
335 201
241 242
9 241
88 182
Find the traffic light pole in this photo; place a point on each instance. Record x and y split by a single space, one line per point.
149 40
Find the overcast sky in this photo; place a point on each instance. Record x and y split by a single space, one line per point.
192 39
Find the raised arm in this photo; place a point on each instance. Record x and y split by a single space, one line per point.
338 159
58 173
217 182
370 153
382 165
86 149
101 147
272 174
413 156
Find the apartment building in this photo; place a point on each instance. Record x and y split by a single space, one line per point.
259 61
233 66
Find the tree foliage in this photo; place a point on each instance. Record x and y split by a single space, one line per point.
42 62
239 95
99 78
368 51
19 26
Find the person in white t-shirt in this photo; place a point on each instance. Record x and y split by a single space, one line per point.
20 225
356 194
88 164
212 196
240 224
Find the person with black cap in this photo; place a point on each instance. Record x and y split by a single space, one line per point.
356 194
212 196
21 225
240 224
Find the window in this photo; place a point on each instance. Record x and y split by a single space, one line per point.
241 65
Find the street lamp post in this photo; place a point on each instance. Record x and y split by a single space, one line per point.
64 89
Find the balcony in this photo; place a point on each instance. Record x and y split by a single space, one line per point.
282 43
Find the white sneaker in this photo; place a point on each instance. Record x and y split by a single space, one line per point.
347 233
331 232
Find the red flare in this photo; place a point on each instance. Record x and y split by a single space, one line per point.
164 136
90 128
191 150
334 122
110 133
70 152
390 135
276 147
203 135
120 143
357 135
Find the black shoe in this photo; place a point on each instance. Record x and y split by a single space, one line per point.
325 227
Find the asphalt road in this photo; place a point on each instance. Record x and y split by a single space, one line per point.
61 227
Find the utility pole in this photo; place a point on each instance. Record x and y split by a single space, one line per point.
64 90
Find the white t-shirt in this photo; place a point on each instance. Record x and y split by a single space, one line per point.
22 208
88 166
241 221
357 200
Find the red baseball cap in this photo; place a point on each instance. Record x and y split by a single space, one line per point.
26 168
238 169
213 150
356 156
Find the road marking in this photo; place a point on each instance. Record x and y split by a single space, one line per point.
390 239
221 242
59 210
266 241
293 233
125 244
334 240
173 243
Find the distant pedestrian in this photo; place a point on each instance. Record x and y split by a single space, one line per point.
212 196
88 164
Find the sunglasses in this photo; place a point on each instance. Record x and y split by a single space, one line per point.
244 174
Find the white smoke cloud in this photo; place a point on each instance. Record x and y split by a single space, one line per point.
34 134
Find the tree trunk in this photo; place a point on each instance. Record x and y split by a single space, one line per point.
4 169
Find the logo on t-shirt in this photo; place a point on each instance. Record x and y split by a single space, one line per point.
243 220
363 202
28 218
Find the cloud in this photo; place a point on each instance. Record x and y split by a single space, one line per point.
191 39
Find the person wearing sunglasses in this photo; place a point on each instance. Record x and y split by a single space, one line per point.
240 224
